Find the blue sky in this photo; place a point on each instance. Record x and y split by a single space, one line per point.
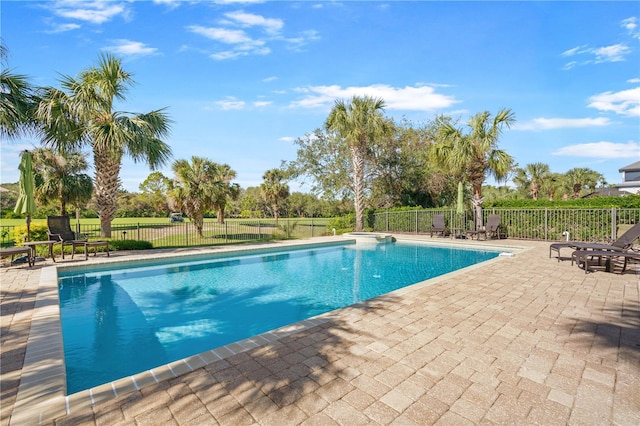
243 79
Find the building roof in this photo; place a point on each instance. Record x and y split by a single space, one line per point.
606 192
633 167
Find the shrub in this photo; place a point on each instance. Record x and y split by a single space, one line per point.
342 224
129 245
38 233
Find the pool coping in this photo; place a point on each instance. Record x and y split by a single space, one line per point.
42 391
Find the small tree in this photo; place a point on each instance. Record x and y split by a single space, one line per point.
274 189
196 188
59 177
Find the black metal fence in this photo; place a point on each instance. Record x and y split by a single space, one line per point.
184 234
530 224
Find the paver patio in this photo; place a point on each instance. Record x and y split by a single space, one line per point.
519 340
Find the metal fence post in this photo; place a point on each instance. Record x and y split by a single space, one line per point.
546 223
614 220
138 229
311 226
186 233
226 232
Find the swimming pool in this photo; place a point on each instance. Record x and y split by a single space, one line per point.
120 322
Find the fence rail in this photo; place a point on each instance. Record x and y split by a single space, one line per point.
531 224
602 225
184 234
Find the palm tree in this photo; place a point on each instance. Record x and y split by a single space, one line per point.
195 189
475 154
533 177
82 114
580 178
59 177
228 190
552 185
17 101
273 189
360 123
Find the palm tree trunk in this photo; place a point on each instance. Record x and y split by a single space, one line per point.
220 215
357 160
106 187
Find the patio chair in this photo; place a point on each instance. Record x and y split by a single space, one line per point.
620 245
493 226
438 225
583 256
60 230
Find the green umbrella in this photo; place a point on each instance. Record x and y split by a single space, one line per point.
26 203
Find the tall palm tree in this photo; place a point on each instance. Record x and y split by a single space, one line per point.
228 190
82 114
533 177
360 123
274 189
17 100
580 178
476 153
195 189
552 185
59 177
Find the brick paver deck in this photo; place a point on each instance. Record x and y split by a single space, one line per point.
521 340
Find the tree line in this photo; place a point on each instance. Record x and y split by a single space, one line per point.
358 159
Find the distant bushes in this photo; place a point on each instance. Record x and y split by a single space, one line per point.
130 245
630 201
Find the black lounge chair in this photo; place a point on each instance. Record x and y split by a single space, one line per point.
438 225
493 226
620 245
583 256
60 230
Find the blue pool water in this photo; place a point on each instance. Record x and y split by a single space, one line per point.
121 322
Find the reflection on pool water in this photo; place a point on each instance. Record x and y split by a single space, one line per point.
120 322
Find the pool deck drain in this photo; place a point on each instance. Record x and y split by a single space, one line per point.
522 339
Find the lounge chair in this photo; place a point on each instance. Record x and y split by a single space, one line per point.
493 226
621 244
583 256
438 225
60 230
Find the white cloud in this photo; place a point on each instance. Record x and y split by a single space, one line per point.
633 80
575 51
631 25
131 48
269 79
613 53
260 104
230 104
608 150
222 35
599 55
270 25
625 102
61 28
242 44
249 34
409 98
287 139
561 123
95 12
